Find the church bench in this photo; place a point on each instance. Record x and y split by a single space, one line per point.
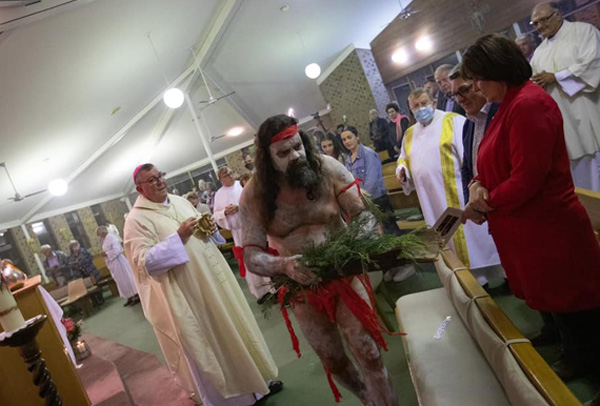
400 201
389 169
591 202
391 183
383 155
479 357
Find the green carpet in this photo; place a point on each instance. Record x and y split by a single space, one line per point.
304 379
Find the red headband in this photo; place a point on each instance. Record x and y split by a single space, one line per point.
136 170
286 133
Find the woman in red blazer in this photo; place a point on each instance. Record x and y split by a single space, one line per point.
525 190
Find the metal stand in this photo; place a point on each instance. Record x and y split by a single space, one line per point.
29 350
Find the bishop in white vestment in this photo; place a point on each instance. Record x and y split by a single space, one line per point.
117 263
206 330
229 196
431 157
572 55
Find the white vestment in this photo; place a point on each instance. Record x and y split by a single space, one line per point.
432 157
226 195
205 328
112 229
573 55
119 266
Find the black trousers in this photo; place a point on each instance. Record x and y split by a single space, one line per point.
389 224
579 335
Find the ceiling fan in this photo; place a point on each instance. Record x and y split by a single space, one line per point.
211 99
18 197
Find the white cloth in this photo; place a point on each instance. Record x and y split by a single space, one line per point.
112 229
586 172
56 312
196 305
119 266
226 195
432 158
573 55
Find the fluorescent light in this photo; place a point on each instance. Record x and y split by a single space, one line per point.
400 56
37 227
173 98
235 131
424 44
58 187
312 70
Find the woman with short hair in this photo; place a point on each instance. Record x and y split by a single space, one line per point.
525 191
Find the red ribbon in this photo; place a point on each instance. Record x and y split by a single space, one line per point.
238 253
355 182
286 133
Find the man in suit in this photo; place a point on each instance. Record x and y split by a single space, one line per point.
445 101
479 115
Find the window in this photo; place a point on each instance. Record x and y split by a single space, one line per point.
77 229
8 250
98 214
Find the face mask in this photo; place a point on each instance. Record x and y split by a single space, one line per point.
424 115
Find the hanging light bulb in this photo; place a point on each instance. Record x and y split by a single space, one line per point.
312 70
173 98
58 187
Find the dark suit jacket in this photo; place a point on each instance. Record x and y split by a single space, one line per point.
467 165
442 100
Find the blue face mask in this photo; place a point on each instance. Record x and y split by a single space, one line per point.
424 114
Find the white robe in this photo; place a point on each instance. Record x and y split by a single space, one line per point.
226 195
432 158
573 55
119 266
205 328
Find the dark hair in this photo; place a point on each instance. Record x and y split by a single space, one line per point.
455 73
352 129
392 106
266 174
337 151
340 126
496 58
145 168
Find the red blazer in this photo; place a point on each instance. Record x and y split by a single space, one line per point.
543 234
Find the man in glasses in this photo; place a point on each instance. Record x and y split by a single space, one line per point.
567 65
479 115
205 328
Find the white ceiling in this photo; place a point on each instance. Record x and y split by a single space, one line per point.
62 77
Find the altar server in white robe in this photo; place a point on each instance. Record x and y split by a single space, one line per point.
117 264
227 216
567 65
430 162
206 330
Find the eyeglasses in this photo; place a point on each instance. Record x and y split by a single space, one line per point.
463 91
541 21
155 179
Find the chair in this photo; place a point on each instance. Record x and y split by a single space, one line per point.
78 296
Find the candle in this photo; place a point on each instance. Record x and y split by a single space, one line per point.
10 315
80 346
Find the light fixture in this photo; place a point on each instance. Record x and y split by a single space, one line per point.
235 131
423 44
312 70
290 112
284 8
58 187
173 98
400 56
37 228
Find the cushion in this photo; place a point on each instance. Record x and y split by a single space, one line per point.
449 371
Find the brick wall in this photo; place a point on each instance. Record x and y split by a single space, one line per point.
114 211
86 216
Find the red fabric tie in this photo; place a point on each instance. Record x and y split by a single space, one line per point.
286 133
238 253
356 182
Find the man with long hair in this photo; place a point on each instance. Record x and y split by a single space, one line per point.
295 198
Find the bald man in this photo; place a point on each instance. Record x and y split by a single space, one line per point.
567 65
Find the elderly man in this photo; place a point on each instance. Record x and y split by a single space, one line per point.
117 264
527 45
295 198
56 264
567 65
445 101
227 200
430 163
205 328
479 115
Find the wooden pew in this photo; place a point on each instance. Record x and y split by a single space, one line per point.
391 183
383 155
389 169
480 352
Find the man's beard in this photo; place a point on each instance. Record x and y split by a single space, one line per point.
299 174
